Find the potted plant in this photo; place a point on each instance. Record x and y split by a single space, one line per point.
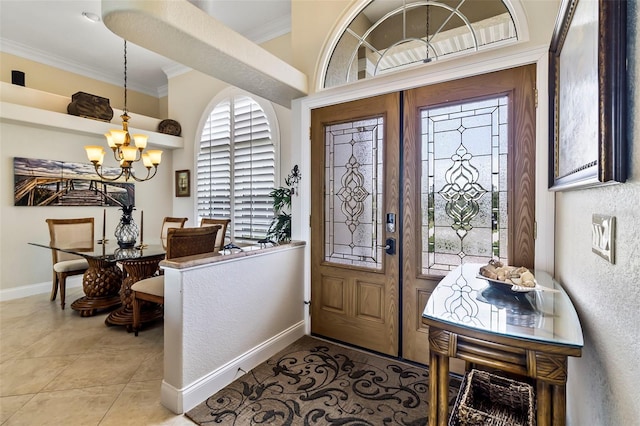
280 228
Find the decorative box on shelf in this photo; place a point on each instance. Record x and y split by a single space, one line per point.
90 106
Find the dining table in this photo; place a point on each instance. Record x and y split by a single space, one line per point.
112 270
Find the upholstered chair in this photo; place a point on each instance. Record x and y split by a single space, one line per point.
68 233
224 223
181 242
168 223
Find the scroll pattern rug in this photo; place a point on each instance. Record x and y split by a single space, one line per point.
313 382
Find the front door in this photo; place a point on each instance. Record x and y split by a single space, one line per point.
456 185
354 181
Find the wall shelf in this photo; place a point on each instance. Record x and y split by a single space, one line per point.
36 108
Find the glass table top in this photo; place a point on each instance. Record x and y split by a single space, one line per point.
464 299
110 251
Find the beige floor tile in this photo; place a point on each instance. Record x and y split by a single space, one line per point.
70 407
108 367
139 404
13 344
62 342
10 404
24 376
118 337
35 335
152 368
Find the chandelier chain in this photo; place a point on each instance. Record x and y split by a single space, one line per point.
428 42
125 76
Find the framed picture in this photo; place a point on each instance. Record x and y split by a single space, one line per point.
183 183
587 102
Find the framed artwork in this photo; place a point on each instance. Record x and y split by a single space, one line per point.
183 183
587 102
38 182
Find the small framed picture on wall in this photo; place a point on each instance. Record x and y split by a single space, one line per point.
183 183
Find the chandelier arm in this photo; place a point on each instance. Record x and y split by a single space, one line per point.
117 154
137 179
97 167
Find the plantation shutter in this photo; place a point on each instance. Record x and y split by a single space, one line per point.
236 167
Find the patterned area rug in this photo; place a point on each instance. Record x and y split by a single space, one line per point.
313 382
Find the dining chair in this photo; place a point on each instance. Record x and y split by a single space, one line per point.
224 223
169 223
68 233
181 242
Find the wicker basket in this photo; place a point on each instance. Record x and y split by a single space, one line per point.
486 399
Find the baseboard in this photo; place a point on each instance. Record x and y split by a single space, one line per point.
33 289
182 400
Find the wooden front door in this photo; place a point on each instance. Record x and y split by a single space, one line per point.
468 185
354 181
460 180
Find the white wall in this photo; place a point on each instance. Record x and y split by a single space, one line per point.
603 384
224 318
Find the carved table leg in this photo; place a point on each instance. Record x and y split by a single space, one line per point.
136 270
101 283
558 398
443 390
544 403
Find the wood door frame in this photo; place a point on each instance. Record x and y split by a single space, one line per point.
492 61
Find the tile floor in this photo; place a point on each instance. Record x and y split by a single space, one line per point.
57 368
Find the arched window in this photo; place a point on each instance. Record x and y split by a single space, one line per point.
391 35
236 167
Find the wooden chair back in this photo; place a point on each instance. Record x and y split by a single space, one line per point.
169 223
70 233
223 223
183 242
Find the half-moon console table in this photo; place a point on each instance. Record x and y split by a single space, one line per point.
528 334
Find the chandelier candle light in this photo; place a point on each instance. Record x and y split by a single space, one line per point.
120 143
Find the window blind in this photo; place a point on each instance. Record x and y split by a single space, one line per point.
236 167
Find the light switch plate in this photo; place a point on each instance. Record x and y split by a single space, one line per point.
603 234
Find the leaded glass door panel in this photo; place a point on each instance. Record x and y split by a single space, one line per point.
354 289
469 175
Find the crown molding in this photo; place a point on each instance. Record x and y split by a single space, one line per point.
27 52
270 30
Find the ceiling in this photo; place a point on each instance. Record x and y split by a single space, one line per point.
55 32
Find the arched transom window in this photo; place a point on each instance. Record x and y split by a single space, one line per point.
390 35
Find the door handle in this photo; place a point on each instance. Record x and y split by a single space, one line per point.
390 247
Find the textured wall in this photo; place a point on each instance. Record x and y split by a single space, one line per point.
223 314
602 388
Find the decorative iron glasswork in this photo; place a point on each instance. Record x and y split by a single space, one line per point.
353 195
464 184
461 305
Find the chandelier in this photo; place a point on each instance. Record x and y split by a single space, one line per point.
120 143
